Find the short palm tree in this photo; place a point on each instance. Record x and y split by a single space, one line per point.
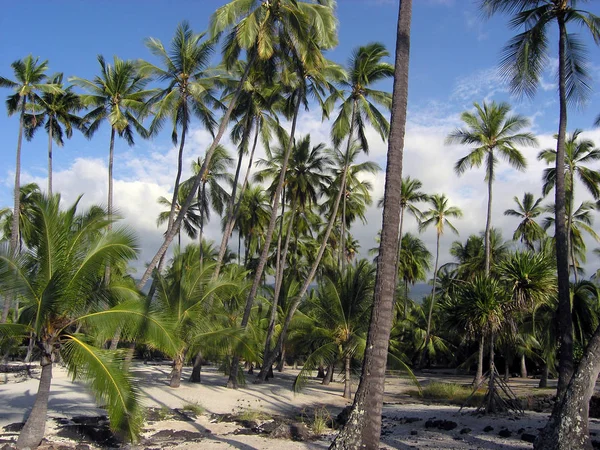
437 215
56 112
528 231
31 79
59 283
337 317
189 90
117 95
493 133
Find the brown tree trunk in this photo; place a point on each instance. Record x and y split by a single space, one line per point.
196 376
491 404
328 378
544 377
175 377
347 378
565 324
197 180
523 367
232 382
281 363
363 429
33 432
175 198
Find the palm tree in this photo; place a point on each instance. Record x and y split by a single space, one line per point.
337 322
359 104
252 218
30 76
210 191
577 153
528 230
189 91
493 133
30 194
414 261
438 214
59 282
523 62
55 111
117 95
364 424
191 220
470 256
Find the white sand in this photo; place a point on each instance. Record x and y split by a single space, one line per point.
275 398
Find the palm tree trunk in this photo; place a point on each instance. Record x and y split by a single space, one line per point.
343 188
175 377
196 376
281 363
544 378
328 378
197 179
348 380
201 195
565 324
174 200
488 222
233 214
491 402
569 208
270 358
279 280
523 367
432 303
111 152
50 130
14 231
479 371
33 432
232 382
363 429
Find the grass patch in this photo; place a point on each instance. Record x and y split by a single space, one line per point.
252 415
195 408
321 421
452 393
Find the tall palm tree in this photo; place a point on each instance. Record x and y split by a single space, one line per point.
31 79
191 220
210 192
55 111
437 215
414 261
493 133
117 96
577 153
253 216
359 104
364 424
189 90
30 195
528 230
523 62
59 282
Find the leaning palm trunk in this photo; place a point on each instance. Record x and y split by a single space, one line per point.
343 188
232 382
179 170
269 358
197 180
33 431
234 211
50 156
565 324
431 304
363 429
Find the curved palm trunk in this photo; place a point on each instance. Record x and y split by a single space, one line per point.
33 432
488 222
431 304
232 382
343 188
234 211
363 429
328 377
50 156
269 359
565 324
174 201
201 194
197 179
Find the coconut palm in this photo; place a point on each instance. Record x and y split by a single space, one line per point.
437 215
337 319
117 96
523 61
30 194
364 427
191 220
252 219
414 261
470 256
31 79
59 283
56 112
189 90
577 153
493 133
528 231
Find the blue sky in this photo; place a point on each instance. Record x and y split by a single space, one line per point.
453 63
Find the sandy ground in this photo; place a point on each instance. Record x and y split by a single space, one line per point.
404 421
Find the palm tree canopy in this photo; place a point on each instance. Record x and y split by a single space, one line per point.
527 210
493 133
438 214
